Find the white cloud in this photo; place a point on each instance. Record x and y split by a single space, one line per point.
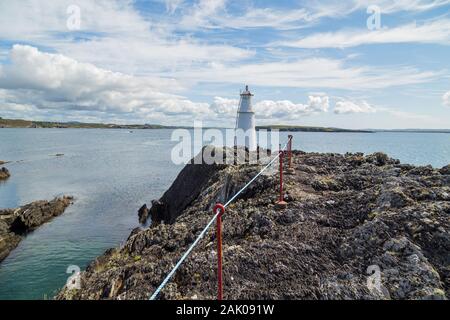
172 5
54 81
288 110
214 13
250 18
224 106
338 9
44 84
348 107
392 6
118 38
437 31
446 99
202 14
114 36
307 73
41 20
269 109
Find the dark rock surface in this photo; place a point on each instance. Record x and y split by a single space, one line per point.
186 188
143 214
16 223
351 219
4 173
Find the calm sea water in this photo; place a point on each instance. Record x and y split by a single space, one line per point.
111 173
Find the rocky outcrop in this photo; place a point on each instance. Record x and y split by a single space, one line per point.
16 223
143 214
4 173
185 189
355 227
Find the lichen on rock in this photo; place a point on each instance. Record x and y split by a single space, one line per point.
347 215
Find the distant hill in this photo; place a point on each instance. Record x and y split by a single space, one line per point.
415 130
283 128
18 123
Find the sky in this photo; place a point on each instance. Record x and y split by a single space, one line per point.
352 64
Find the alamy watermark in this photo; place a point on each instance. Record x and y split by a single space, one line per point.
210 145
374 20
73 22
74 280
374 279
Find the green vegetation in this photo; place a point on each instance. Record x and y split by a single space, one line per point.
18 123
307 129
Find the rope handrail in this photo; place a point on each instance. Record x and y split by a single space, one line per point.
202 234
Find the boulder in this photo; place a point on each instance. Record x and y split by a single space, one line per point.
393 198
445 170
16 223
143 214
378 158
185 189
4 173
33 215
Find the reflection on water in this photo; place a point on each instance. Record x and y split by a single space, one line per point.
112 173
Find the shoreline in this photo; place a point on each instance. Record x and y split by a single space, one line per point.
334 203
31 124
15 224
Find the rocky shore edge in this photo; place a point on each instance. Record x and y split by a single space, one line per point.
4 173
355 227
15 224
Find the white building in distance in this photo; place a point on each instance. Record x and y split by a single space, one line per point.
245 122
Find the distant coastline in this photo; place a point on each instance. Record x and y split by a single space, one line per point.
21 123
283 128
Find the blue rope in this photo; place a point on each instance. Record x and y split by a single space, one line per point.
202 234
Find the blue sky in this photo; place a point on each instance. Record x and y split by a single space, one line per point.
175 61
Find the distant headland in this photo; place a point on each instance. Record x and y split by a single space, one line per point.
21 123
284 128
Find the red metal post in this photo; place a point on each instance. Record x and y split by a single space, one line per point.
290 151
220 207
281 175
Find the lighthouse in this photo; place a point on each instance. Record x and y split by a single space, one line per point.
245 122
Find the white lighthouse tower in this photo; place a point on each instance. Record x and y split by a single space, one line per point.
245 121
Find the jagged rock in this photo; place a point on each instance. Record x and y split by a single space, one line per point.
393 198
185 189
378 158
349 215
33 215
288 197
322 184
8 240
422 171
15 224
143 214
4 173
445 170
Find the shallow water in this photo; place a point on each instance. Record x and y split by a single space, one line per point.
111 173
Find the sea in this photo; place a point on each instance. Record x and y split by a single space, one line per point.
112 173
